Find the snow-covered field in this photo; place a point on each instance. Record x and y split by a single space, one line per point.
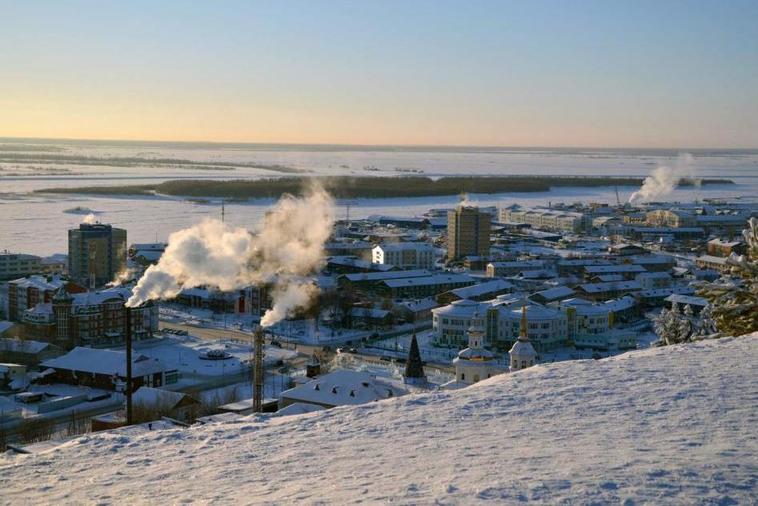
669 425
36 223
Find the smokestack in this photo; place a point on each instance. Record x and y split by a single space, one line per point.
286 248
129 366
258 372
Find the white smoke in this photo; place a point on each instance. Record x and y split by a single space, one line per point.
296 293
90 219
664 180
124 276
288 244
464 201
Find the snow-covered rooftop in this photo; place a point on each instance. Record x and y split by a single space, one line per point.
482 288
555 293
465 308
613 285
21 345
712 259
611 269
91 360
343 387
155 397
404 246
419 304
379 276
436 279
672 425
687 299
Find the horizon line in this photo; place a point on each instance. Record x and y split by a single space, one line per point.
361 145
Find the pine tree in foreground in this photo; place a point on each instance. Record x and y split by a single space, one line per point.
674 326
733 305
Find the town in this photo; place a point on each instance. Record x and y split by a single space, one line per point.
403 305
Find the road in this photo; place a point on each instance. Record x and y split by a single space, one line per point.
214 334
210 334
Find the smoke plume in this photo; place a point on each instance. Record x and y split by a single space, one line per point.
124 276
287 245
90 219
663 180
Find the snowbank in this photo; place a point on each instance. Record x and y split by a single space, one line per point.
665 425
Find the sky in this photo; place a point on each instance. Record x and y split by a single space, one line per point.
638 73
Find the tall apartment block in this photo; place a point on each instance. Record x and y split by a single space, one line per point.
468 233
96 254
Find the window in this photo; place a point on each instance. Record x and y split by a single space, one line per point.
171 377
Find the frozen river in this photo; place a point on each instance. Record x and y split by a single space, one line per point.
37 223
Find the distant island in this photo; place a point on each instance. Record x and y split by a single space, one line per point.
366 186
10 155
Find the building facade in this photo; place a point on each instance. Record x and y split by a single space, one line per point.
90 319
468 233
451 322
546 219
405 255
16 265
547 327
25 293
96 254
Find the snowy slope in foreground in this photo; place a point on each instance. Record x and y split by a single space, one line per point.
668 425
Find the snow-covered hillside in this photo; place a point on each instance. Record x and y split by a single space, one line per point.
667 425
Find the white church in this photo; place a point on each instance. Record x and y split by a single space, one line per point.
476 363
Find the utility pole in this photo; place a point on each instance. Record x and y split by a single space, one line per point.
348 204
258 372
223 212
128 334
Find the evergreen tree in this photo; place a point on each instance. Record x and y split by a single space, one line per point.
734 303
673 326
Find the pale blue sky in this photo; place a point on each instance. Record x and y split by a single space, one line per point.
558 73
